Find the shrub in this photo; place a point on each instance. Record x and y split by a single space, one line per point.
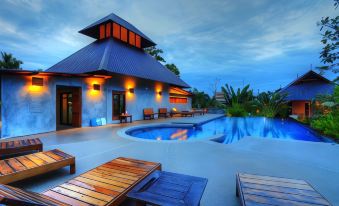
236 110
328 124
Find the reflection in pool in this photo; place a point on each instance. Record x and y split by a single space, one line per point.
234 128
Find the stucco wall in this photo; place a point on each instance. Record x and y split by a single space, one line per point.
298 108
27 110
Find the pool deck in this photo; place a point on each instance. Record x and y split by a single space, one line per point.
314 162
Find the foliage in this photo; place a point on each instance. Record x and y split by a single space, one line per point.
236 110
269 104
330 39
326 118
156 53
9 62
173 68
328 124
239 102
203 100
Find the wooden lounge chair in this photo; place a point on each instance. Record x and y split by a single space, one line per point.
107 184
265 190
148 113
19 168
182 113
162 112
20 146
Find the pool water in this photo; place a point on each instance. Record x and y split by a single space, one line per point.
233 129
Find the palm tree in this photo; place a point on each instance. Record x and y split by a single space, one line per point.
9 62
239 102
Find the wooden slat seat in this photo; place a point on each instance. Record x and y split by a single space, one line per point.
107 184
266 190
19 168
20 146
162 112
148 113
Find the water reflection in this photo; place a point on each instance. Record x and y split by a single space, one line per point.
234 129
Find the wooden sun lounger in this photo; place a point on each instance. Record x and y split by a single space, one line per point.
148 113
183 113
266 190
107 184
19 168
20 146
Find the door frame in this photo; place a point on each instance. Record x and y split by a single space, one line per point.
123 93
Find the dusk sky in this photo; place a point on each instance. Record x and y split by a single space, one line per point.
265 43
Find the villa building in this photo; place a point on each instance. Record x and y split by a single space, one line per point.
111 76
302 91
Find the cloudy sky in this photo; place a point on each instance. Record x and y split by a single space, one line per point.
265 43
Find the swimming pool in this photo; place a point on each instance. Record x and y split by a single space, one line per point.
231 129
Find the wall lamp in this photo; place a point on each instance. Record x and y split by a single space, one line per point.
131 90
160 93
36 81
96 87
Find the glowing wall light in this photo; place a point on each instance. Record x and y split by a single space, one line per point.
96 87
37 81
160 93
131 90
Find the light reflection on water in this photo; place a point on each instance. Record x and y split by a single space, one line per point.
234 129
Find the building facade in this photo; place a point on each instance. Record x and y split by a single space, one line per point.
303 91
111 76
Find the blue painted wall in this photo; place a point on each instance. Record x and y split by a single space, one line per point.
25 111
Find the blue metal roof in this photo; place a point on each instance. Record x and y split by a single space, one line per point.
113 56
308 86
93 29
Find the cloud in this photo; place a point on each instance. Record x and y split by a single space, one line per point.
33 5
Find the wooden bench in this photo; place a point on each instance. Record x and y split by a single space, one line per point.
107 184
148 113
20 146
19 168
266 190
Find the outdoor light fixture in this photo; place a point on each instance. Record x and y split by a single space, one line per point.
36 81
131 90
96 87
160 93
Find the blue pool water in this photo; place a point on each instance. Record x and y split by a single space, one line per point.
234 129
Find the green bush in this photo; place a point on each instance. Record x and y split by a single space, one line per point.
236 110
328 124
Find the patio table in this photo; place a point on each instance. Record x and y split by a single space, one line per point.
125 117
166 188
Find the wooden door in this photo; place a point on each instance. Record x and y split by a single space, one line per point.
119 104
76 110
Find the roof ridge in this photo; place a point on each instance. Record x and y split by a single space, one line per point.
104 59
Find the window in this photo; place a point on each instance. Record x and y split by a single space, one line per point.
124 34
137 41
178 100
108 30
131 38
116 30
102 31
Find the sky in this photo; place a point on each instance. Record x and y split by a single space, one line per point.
264 43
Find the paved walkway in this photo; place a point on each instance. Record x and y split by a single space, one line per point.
316 163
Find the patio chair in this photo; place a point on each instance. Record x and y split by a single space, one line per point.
23 167
182 113
148 113
266 190
16 147
162 112
106 184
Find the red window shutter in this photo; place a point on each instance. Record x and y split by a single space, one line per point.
116 30
124 34
108 30
137 41
131 38
102 31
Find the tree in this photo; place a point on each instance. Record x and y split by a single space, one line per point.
270 103
173 68
200 99
9 62
156 53
330 39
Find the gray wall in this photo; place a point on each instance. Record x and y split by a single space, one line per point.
25 111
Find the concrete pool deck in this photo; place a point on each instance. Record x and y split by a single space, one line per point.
314 162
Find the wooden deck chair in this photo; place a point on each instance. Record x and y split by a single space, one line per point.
23 167
162 112
148 113
20 146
